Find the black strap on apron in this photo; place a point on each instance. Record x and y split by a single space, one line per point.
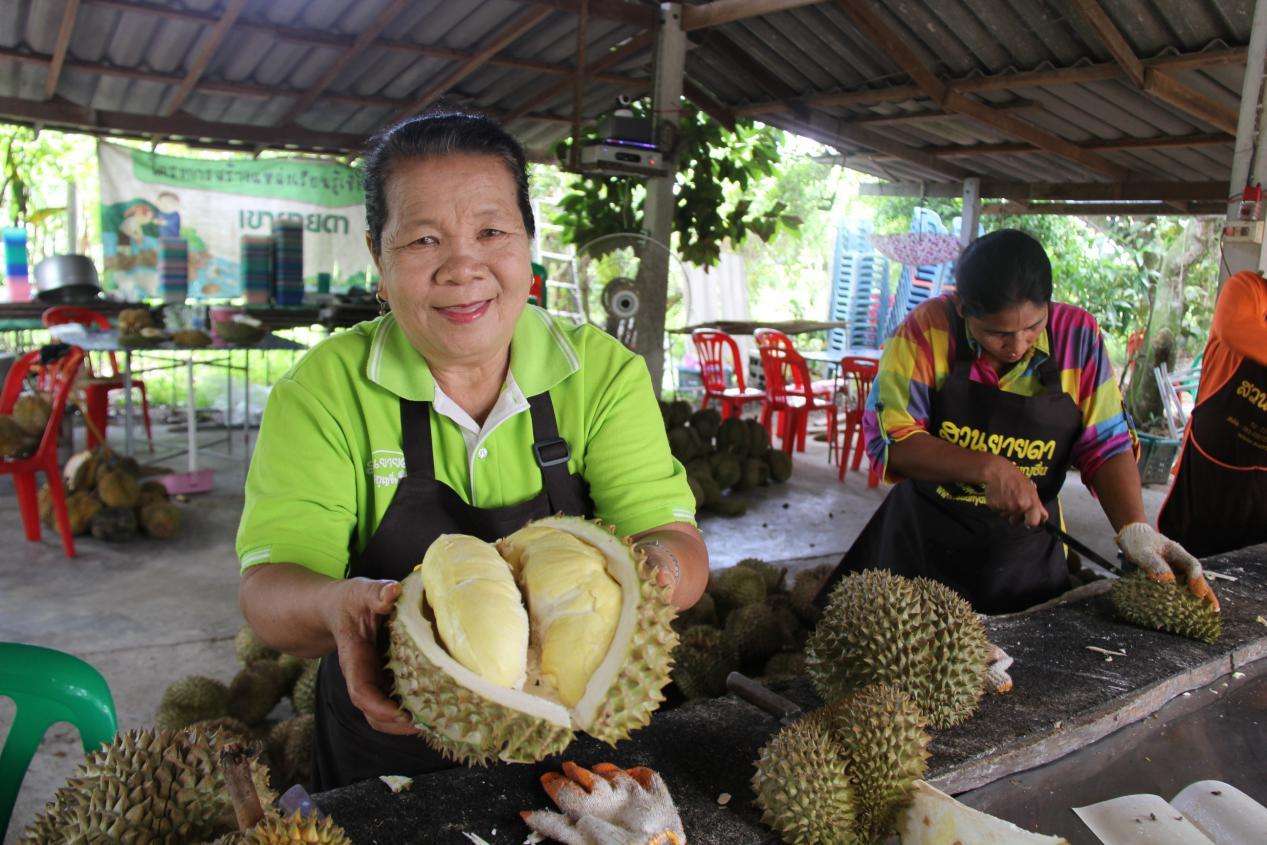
347 749
1218 501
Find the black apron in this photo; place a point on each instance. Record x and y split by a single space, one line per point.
945 531
347 749
1219 499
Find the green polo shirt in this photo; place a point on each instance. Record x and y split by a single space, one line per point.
328 457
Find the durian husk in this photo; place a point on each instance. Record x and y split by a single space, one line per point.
31 412
303 694
754 633
290 750
881 735
273 829
14 442
803 787
250 648
119 489
160 520
82 507
192 699
771 574
132 320
916 634
151 493
146 787
191 338
1165 607
701 663
255 691
736 587
805 586
114 525
466 726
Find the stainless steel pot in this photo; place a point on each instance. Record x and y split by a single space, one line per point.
66 278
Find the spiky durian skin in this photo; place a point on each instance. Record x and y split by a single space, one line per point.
737 586
192 699
701 663
771 574
274 829
250 648
881 736
303 693
469 728
803 787
916 634
1165 607
754 633
639 688
146 786
255 690
460 724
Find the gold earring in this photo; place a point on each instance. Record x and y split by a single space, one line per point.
382 304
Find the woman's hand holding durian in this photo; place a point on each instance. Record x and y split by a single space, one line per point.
360 606
1160 558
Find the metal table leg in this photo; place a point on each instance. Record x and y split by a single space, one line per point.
191 425
127 404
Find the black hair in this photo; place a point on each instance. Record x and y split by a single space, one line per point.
1001 269
438 133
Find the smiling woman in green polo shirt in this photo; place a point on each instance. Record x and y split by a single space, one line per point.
464 410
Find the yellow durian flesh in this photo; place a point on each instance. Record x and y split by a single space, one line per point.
477 608
573 603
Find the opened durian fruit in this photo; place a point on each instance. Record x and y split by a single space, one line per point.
503 651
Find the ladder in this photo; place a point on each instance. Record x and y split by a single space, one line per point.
563 292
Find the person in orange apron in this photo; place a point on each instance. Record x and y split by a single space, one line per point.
1218 501
984 400
462 410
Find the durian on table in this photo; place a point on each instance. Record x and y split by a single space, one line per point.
504 651
1165 607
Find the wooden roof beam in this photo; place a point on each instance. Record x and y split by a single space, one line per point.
235 89
1153 81
62 113
1165 142
210 43
612 10
719 12
319 38
634 46
1104 209
864 15
497 42
363 41
840 132
935 115
999 82
1140 191
59 49
708 104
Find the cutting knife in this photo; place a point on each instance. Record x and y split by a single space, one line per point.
1081 547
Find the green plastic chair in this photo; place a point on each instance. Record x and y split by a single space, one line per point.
47 686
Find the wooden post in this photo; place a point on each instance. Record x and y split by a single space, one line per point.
971 210
1251 127
670 63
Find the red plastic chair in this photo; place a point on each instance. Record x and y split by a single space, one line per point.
773 337
711 346
97 389
55 378
853 384
789 392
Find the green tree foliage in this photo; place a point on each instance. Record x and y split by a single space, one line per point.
717 170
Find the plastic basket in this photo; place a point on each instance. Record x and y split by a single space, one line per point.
1156 457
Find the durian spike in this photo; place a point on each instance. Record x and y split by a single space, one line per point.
235 759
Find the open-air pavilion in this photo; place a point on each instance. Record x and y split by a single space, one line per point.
1069 107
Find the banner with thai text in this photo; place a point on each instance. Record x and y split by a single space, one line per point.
212 203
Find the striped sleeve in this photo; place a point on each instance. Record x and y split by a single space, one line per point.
1087 375
913 366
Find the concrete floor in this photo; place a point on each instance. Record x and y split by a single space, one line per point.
149 612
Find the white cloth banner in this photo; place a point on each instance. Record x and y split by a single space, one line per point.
212 203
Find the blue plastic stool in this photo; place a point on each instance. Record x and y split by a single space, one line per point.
48 686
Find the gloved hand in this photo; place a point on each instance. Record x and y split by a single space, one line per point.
997 679
608 806
1159 557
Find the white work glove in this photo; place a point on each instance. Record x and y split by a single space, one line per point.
1160 557
997 679
608 806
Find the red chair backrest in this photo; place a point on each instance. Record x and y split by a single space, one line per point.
711 346
854 377
60 315
786 373
55 378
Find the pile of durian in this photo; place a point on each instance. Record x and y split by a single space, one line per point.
138 330
241 708
752 618
167 787
732 455
20 431
890 656
106 497
502 651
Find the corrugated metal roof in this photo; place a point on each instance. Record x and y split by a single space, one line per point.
128 57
